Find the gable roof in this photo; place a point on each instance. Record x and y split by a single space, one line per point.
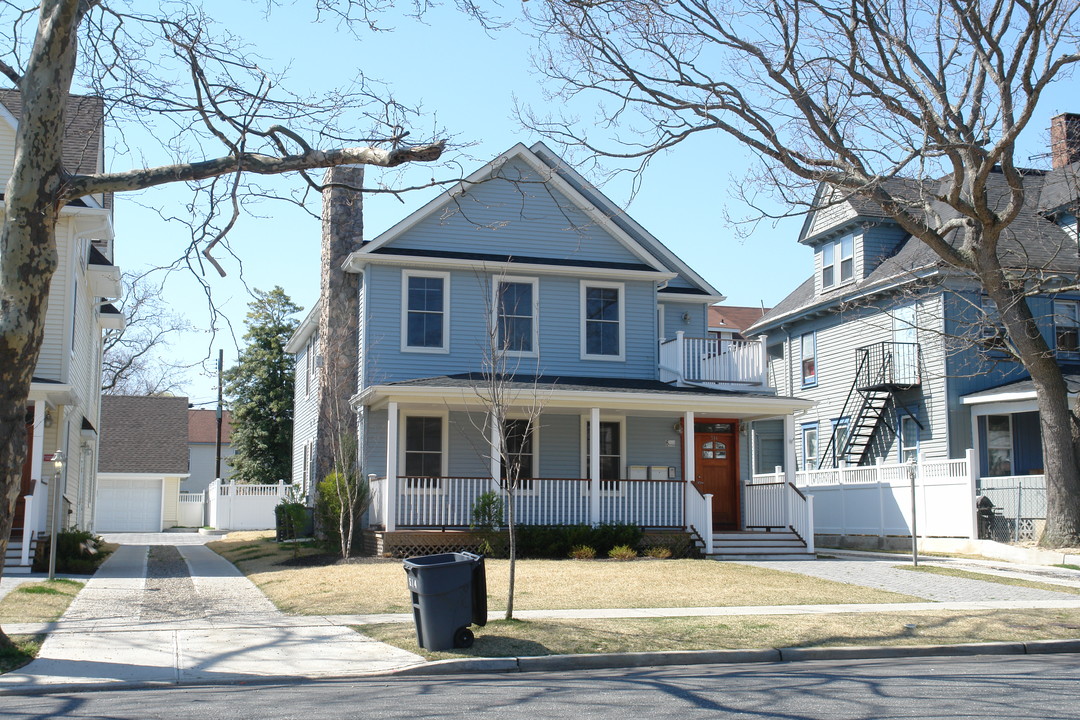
652 255
144 434
83 131
1032 243
735 317
202 426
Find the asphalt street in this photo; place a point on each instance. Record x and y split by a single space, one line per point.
1014 688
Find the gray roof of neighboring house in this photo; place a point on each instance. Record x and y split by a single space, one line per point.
575 384
1072 382
1032 242
84 122
144 434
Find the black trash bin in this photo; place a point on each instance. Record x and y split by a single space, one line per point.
449 593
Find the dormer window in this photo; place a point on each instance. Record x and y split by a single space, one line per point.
838 261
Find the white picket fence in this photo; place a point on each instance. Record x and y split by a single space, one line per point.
238 506
876 499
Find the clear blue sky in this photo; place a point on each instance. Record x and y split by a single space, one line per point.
466 80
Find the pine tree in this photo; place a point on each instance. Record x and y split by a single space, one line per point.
260 387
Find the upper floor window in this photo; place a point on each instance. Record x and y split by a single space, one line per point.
426 315
808 344
602 321
1066 326
516 310
311 362
838 261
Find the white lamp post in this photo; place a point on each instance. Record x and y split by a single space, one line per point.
59 459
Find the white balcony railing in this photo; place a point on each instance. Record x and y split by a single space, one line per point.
711 361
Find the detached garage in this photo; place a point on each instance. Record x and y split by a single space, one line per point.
144 457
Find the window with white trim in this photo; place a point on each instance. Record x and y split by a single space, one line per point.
810 447
999 445
1066 326
838 261
808 356
602 316
840 435
516 302
610 453
909 439
425 311
423 451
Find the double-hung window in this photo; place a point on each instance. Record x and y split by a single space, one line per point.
423 451
610 453
808 355
810 446
426 316
1066 326
838 261
515 308
909 439
602 320
519 458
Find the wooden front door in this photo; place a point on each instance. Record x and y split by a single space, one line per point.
716 467
27 486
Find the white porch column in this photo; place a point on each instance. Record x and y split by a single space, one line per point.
689 460
594 466
390 496
789 448
38 516
495 448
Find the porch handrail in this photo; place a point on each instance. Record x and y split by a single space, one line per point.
699 516
779 504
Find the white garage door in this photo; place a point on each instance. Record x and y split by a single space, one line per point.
128 505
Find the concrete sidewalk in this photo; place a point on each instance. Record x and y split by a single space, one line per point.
165 614
145 623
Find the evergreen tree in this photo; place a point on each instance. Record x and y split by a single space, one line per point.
260 387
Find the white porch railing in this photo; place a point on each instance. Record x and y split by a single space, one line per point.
447 502
699 516
779 504
712 361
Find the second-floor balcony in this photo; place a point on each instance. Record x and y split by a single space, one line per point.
713 362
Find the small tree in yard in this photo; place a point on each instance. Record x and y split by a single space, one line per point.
343 496
260 386
851 95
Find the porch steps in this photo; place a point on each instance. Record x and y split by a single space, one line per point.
759 545
13 556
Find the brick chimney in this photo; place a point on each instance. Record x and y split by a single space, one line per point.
342 233
1064 139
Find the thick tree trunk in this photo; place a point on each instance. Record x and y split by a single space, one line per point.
28 255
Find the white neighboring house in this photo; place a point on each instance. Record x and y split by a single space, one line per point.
144 458
202 449
63 408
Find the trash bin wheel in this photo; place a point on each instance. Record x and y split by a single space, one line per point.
463 638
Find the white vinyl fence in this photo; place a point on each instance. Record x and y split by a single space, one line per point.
237 506
876 499
191 510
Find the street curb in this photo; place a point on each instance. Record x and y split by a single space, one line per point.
857 652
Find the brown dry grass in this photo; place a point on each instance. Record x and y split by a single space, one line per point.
38 601
557 637
378 586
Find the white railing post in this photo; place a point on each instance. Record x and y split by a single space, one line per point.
27 531
708 524
809 523
594 466
390 496
680 353
973 479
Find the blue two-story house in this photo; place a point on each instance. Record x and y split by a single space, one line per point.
902 353
638 416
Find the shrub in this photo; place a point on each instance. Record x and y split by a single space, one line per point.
582 552
78 552
487 516
622 552
333 492
658 551
556 541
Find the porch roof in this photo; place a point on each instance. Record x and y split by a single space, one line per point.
1015 391
648 396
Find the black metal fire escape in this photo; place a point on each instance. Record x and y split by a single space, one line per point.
882 370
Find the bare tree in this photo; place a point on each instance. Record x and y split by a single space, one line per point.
849 94
514 402
134 360
219 116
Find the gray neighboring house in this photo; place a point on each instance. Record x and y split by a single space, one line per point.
144 458
202 449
